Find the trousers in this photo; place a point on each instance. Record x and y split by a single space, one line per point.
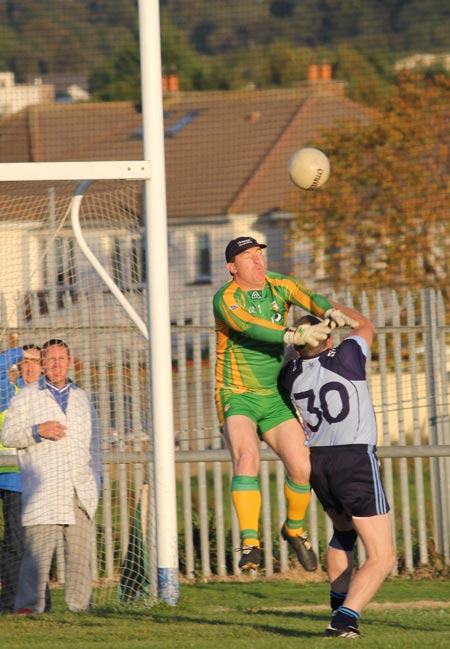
40 545
12 548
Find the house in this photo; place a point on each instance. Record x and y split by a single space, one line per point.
226 172
423 62
69 86
17 96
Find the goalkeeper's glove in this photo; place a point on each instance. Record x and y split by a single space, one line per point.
339 319
307 334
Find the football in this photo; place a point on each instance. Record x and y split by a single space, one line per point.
309 168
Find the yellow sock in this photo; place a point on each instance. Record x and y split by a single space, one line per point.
246 497
297 497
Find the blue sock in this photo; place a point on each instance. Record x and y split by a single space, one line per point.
344 616
336 599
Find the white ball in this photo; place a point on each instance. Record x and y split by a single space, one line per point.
309 168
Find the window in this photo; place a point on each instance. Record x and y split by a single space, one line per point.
128 263
202 259
59 278
59 266
59 269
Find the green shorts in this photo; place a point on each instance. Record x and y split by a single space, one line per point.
266 410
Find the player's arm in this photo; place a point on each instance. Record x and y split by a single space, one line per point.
239 319
364 327
296 293
320 306
230 313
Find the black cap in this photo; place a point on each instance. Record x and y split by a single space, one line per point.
236 246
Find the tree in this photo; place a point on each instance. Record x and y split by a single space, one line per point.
118 79
10 46
383 218
365 80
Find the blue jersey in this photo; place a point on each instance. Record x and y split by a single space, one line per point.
331 395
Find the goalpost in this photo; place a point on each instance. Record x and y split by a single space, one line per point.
122 176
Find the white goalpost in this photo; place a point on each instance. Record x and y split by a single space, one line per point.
150 172
158 292
101 170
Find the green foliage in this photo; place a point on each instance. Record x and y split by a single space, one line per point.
367 82
179 57
10 49
63 35
214 26
212 547
215 45
118 79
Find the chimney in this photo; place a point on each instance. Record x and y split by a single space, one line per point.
326 72
319 72
174 83
313 72
170 83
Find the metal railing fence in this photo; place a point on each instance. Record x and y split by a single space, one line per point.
408 374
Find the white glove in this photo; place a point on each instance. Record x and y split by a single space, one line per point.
339 319
307 334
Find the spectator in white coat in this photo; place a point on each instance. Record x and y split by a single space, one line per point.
55 428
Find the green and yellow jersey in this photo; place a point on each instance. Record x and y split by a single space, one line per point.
250 327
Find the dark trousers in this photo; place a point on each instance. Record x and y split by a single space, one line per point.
12 548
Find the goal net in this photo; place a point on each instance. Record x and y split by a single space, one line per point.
50 290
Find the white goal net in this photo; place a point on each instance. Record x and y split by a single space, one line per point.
50 290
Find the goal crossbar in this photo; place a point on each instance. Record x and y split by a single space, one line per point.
89 170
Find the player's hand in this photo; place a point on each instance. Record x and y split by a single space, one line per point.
339 319
307 334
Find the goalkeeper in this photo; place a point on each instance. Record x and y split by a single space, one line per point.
251 313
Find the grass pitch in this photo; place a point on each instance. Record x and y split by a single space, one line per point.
245 614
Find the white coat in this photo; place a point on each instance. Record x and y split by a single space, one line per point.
54 471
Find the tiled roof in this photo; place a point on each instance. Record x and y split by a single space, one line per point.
226 152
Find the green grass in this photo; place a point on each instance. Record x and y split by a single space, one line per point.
249 614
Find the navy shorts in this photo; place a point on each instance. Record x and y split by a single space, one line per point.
347 478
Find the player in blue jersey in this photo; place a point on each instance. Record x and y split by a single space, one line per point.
329 389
